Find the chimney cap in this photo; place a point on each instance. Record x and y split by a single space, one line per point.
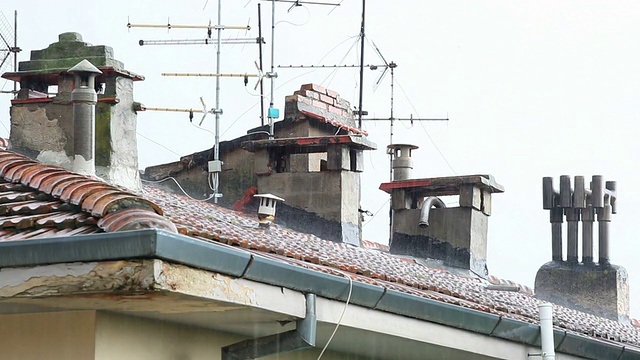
84 66
401 146
268 196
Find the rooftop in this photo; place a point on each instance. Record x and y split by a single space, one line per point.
42 201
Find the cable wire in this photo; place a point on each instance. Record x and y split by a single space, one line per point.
376 213
178 184
425 129
157 143
344 310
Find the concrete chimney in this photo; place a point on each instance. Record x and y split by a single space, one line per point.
84 99
598 288
424 227
315 163
42 125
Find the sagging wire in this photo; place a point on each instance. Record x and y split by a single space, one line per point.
425 129
258 103
335 71
304 23
344 310
157 143
376 213
179 186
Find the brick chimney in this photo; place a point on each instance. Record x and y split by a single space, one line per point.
423 226
314 163
42 124
599 288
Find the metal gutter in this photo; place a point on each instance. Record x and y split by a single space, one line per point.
182 249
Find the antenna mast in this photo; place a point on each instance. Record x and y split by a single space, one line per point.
215 166
361 65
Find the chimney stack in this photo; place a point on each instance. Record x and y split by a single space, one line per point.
314 161
84 99
423 227
599 288
42 115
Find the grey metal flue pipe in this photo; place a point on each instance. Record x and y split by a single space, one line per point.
587 234
84 99
426 209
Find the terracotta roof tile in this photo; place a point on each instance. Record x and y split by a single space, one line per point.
39 200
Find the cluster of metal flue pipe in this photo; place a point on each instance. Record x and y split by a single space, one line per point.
598 202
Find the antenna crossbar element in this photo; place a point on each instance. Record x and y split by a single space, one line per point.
145 108
412 119
173 26
372 67
295 2
200 41
211 75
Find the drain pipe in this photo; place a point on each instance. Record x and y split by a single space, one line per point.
431 201
303 337
546 332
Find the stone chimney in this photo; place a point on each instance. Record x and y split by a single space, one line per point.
423 226
600 288
314 162
42 124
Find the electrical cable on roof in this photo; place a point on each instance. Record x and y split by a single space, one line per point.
344 310
425 129
179 186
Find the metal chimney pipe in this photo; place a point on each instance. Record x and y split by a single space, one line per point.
573 216
588 217
84 99
604 218
556 218
401 162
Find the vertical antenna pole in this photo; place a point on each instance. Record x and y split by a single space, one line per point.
216 149
272 75
361 65
260 52
15 53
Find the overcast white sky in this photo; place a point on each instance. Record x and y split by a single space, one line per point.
532 89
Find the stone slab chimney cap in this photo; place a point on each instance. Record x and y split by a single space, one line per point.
84 66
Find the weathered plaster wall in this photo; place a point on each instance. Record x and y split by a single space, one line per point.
53 336
116 142
43 131
322 203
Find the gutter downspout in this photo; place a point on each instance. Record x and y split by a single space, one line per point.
546 332
426 208
303 337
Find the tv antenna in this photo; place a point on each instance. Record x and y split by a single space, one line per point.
8 33
215 166
274 113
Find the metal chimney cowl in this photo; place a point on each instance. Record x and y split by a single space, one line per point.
84 99
267 209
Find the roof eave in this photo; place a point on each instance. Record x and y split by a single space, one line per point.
151 243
